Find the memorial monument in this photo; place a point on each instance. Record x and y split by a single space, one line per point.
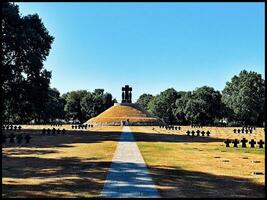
125 113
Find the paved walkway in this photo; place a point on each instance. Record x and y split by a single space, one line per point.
128 175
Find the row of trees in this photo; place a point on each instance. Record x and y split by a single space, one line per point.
26 94
242 102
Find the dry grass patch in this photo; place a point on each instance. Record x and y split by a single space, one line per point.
71 165
184 166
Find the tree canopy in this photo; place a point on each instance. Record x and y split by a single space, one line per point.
25 45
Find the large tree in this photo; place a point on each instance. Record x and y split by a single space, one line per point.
163 105
95 103
73 104
144 99
244 96
25 45
204 107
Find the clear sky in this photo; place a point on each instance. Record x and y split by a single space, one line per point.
150 46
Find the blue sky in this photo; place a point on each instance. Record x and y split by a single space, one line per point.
150 46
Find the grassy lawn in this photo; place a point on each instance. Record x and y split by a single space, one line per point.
71 165
184 166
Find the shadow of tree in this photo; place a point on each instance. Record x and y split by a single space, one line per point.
71 137
80 178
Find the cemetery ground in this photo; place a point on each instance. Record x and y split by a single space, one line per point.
76 164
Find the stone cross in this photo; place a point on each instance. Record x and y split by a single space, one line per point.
244 141
227 142
126 94
260 143
252 143
235 142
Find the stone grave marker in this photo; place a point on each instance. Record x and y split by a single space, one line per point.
235 142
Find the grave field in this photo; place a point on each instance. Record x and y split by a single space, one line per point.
186 166
76 164
71 165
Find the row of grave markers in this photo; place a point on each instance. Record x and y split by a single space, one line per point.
243 130
171 127
53 131
244 142
81 126
198 132
11 127
18 137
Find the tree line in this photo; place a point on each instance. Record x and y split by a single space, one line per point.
26 94
241 103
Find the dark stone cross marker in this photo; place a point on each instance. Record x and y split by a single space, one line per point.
188 132
193 133
227 142
244 141
208 133
126 94
260 143
203 133
252 143
235 142
198 131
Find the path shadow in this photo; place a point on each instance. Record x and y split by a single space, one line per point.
80 178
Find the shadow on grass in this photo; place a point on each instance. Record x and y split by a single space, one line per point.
71 137
82 178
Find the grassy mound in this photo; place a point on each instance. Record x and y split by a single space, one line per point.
131 112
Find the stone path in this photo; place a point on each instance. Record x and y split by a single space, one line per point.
128 175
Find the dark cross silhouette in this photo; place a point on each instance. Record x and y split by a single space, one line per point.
227 142
15 128
238 130
193 133
252 143
208 133
179 128
11 127
244 141
126 94
19 138
235 142
198 131
246 130
234 130
72 126
260 143
203 133
188 132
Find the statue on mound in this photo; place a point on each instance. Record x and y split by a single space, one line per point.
126 94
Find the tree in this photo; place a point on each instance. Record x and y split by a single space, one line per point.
180 108
25 45
163 105
144 99
73 104
95 103
54 106
244 96
203 106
